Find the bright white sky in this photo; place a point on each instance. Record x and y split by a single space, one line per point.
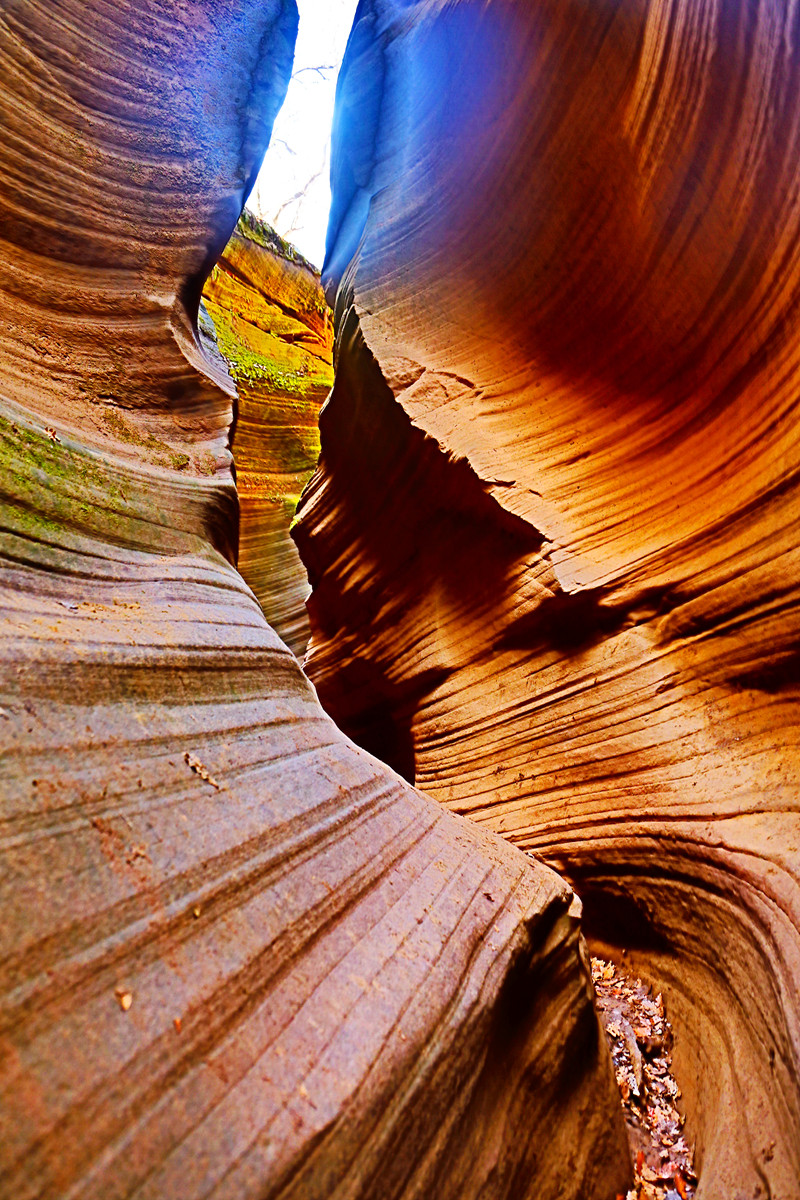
292 191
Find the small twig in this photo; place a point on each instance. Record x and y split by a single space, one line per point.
300 195
319 70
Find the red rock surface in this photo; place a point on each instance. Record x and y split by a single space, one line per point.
552 538
239 957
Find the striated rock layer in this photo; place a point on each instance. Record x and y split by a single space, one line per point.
272 325
552 538
239 957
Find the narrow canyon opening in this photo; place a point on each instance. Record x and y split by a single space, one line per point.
264 312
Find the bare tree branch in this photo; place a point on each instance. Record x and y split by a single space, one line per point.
298 196
319 70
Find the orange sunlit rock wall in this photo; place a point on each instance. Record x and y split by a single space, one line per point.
239 957
272 325
553 536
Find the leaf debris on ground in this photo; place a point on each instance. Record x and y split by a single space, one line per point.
124 998
640 1038
192 761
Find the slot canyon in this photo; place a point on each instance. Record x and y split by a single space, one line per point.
311 822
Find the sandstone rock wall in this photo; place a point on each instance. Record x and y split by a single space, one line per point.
238 956
552 537
273 327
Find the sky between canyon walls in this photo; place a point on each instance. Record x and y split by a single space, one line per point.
292 191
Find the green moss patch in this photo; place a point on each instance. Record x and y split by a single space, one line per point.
160 453
255 230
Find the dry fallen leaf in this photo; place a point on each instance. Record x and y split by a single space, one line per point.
136 852
192 761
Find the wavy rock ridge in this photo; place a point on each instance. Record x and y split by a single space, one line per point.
239 957
552 534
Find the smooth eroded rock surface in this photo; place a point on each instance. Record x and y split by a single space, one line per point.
239 957
552 537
